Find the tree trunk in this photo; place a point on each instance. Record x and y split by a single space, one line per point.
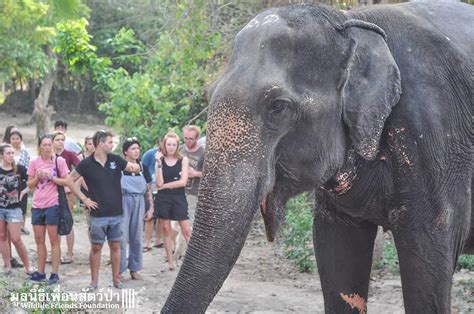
42 112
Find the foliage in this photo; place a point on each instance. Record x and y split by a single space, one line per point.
126 49
73 42
23 33
297 233
466 262
169 91
25 28
390 258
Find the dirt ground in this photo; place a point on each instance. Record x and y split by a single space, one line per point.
262 281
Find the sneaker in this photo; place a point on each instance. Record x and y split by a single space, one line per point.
24 231
53 279
38 277
15 263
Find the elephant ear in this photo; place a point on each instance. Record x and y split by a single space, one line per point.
370 86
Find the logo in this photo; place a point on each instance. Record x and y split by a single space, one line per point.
113 165
44 299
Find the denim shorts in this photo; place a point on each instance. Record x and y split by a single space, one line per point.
11 215
101 228
45 216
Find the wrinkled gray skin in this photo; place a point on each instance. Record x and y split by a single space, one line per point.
370 108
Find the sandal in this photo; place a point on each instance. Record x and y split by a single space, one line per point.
166 269
66 260
122 278
147 249
135 275
118 285
158 245
90 287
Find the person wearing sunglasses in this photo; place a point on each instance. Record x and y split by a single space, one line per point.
43 179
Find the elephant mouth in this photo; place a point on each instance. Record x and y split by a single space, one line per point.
263 205
267 219
272 210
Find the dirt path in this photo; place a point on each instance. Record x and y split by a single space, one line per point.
262 281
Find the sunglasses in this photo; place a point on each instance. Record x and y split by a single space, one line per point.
131 139
47 135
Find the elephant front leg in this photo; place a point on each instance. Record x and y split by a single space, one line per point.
344 257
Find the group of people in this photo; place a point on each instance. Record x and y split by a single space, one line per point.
126 198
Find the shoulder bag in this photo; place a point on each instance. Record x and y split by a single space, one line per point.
65 221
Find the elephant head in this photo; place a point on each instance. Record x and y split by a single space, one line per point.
304 90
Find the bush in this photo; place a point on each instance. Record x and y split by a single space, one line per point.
298 235
466 262
298 240
390 258
169 90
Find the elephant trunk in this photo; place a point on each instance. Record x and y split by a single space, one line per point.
226 206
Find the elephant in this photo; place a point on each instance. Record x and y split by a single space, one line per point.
369 108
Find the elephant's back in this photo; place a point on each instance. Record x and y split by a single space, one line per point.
427 24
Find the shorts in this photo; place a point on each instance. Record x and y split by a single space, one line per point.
45 216
11 215
101 228
172 207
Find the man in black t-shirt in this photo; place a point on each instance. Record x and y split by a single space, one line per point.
102 172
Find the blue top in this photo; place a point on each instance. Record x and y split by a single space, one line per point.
148 160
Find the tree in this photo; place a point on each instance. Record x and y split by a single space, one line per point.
28 32
170 89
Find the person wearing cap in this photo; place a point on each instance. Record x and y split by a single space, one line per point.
136 190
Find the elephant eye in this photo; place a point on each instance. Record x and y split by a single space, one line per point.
277 107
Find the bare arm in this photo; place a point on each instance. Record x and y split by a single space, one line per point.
24 192
158 169
193 173
32 182
131 167
70 183
149 198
